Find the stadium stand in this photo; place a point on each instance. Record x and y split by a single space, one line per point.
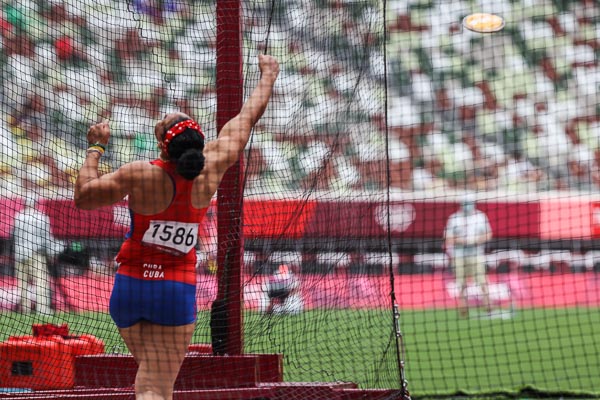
520 117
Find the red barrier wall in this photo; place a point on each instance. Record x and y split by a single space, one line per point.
569 218
416 219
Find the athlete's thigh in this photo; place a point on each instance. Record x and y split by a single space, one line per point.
172 303
127 300
165 303
160 348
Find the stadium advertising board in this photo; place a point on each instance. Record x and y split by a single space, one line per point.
545 219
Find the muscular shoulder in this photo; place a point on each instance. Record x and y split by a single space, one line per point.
211 150
217 154
136 166
137 170
212 156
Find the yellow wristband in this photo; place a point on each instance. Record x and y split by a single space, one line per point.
96 148
103 147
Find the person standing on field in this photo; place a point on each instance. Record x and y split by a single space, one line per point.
467 231
33 244
281 285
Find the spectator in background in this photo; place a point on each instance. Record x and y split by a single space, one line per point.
427 177
278 174
488 157
281 286
208 236
39 168
518 174
256 165
581 163
6 29
9 183
31 113
33 244
156 8
315 165
370 161
554 148
465 236
69 51
400 164
131 46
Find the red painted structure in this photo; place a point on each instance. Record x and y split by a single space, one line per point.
568 218
46 359
202 377
230 86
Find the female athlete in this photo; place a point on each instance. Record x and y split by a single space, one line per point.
153 298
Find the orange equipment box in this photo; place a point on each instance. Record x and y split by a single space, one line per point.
43 362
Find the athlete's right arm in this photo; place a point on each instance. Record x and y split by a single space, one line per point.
93 191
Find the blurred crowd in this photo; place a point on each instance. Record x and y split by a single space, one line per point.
517 111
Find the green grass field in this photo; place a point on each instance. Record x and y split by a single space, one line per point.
554 350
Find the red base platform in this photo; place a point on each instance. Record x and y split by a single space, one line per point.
202 376
198 371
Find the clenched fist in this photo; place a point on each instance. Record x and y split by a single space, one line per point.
99 133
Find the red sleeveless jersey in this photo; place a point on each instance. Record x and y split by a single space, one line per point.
163 246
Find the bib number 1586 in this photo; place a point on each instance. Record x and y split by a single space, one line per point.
179 236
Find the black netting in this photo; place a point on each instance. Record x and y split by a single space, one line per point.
402 160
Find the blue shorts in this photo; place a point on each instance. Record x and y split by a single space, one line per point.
167 303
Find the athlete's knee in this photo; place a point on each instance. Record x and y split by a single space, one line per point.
151 391
149 395
152 384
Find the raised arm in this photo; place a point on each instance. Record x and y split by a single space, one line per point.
235 134
91 190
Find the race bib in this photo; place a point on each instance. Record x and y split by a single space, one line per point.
176 237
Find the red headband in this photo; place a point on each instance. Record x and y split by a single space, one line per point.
177 129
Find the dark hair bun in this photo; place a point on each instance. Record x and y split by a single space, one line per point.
190 163
185 150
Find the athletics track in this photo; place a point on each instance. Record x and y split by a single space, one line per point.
422 291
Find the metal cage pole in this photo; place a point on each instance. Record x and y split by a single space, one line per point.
229 195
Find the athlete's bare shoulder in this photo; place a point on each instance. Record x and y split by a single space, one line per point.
139 175
151 189
137 165
206 183
136 168
210 149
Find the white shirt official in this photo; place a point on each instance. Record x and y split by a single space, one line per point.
469 228
32 234
33 243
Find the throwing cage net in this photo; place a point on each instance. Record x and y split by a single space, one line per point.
342 240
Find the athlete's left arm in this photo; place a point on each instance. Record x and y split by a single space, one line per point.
93 191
